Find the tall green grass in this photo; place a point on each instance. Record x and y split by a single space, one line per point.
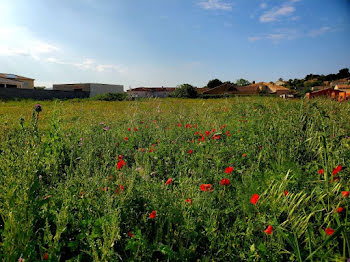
62 195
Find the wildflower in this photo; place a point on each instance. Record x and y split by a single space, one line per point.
190 151
189 200
229 170
106 128
268 230
337 169
46 256
329 231
168 182
207 133
206 187
129 129
38 108
286 192
213 130
102 123
179 125
130 234
254 199
340 209
121 187
196 133
81 194
21 259
215 137
345 193
126 138
321 171
135 129
120 164
244 155
152 149
104 189
141 122
225 182
153 214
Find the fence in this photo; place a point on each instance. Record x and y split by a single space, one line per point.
8 93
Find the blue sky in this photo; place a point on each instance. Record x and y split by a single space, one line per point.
169 42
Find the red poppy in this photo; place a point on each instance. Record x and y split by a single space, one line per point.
126 138
207 133
82 194
179 125
196 133
135 129
223 126
229 170
286 192
189 200
190 151
206 187
337 169
168 182
46 256
225 182
153 214
215 137
152 149
244 155
269 230
129 129
105 188
345 193
340 209
321 171
121 187
329 231
130 234
213 130
254 199
120 164
141 122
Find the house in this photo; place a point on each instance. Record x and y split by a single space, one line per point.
252 89
151 91
280 83
337 94
16 81
92 88
345 88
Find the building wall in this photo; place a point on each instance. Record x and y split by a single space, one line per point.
98 89
72 87
27 83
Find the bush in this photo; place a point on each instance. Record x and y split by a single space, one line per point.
110 97
185 90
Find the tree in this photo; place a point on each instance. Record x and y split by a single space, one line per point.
214 83
185 90
280 79
343 73
242 82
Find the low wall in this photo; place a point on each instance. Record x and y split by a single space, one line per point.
40 94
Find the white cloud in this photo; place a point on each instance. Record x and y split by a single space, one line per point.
215 5
320 31
90 65
18 41
275 13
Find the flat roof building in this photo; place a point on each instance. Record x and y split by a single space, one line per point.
92 88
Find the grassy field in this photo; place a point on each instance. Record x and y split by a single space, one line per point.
238 179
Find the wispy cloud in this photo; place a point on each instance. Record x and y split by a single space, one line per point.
90 65
215 5
276 12
319 31
263 5
18 41
290 34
